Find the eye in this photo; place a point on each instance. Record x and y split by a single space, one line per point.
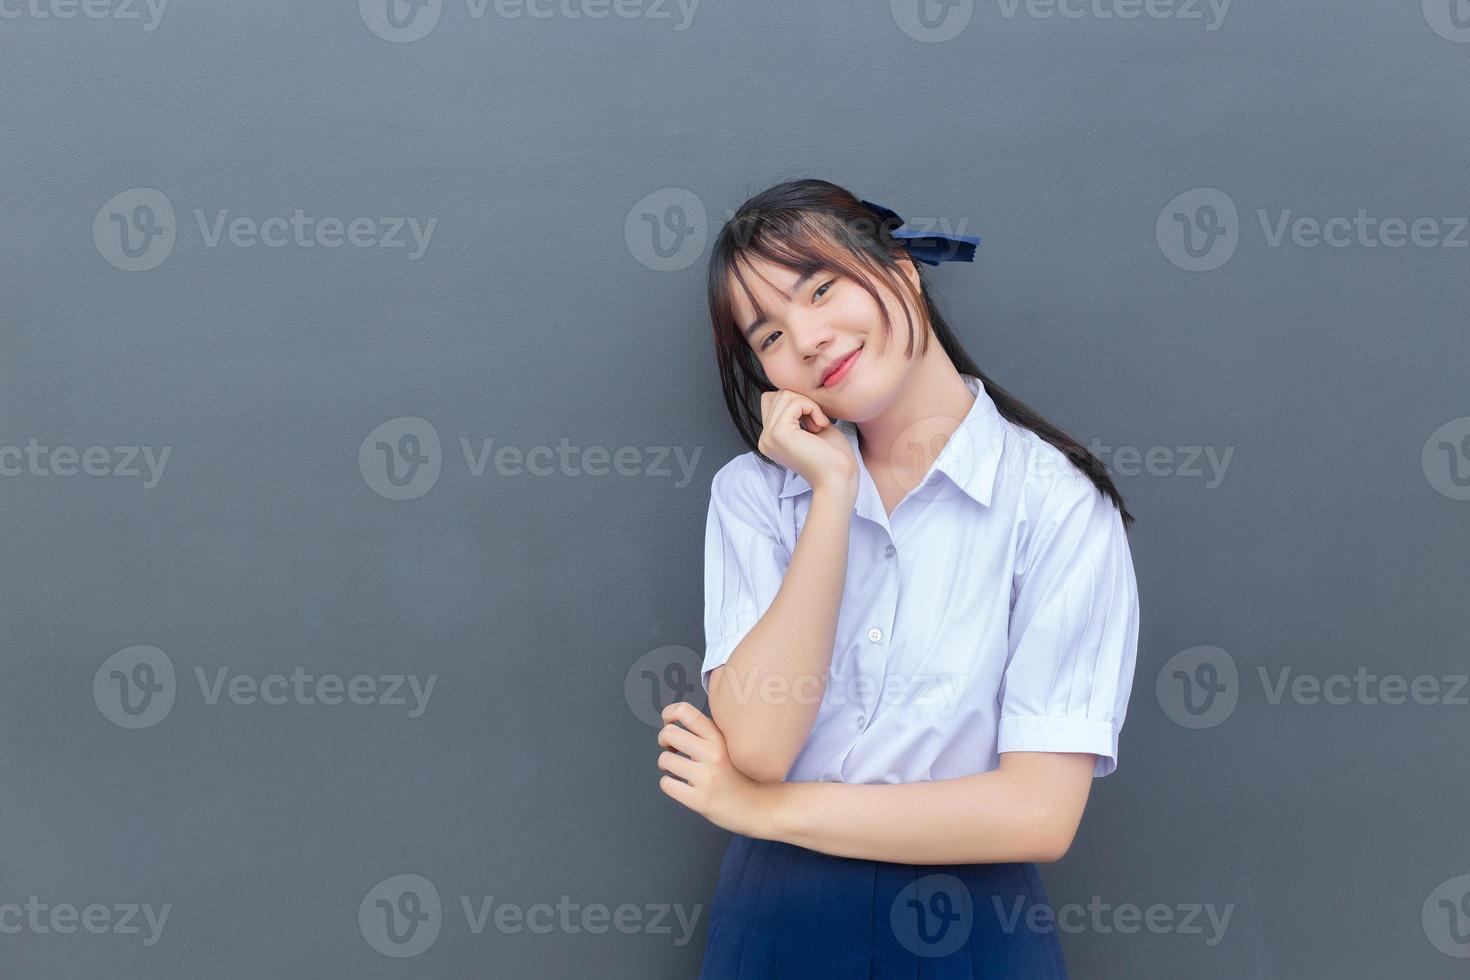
816 294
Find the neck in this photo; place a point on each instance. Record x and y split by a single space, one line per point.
908 435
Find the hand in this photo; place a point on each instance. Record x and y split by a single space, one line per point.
713 787
796 433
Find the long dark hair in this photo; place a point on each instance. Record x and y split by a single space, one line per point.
807 225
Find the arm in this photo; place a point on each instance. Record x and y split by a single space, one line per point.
765 697
1026 810
1073 640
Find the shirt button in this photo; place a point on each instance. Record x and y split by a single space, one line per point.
860 720
875 634
888 551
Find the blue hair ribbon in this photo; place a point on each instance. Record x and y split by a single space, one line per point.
930 247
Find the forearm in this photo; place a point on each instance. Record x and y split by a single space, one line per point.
988 817
766 695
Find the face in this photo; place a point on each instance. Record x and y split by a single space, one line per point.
814 323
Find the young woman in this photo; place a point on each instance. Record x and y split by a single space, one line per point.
921 620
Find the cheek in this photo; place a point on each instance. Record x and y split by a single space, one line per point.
861 315
858 311
776 367
788 376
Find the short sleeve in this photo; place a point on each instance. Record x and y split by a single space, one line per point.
1073 637
744 559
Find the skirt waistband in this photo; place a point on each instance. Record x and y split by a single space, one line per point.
780 910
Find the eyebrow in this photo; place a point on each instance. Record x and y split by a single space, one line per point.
760 321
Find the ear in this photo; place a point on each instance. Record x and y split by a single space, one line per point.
911 270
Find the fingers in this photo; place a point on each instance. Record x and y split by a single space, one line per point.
786 407
691 718
671 736
773 405
672 762
680 791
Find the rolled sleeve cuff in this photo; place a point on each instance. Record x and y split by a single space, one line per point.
1040 733
715 655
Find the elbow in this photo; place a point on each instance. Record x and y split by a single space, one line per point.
756 760
1053 839
756 764
1049 827
752 757
1052 848
769 776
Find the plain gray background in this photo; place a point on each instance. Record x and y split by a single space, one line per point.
1333 542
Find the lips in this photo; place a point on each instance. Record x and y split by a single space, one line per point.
839 368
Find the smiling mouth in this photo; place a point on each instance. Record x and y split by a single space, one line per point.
840 371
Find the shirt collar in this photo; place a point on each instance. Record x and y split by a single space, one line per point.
970 457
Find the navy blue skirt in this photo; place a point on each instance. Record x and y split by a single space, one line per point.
782 912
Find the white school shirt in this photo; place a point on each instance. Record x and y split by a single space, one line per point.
995 610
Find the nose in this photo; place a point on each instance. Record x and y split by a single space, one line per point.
811 334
